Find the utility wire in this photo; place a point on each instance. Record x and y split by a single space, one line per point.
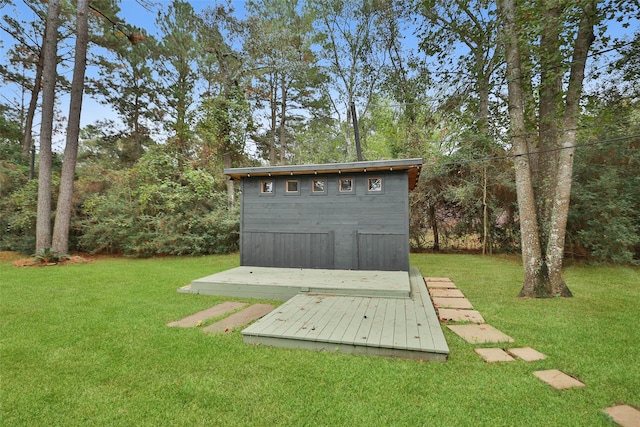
531 153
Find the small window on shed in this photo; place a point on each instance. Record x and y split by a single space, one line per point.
266 187
293 186
345 185
375 185
319 186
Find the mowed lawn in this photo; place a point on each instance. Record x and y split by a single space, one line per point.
87 344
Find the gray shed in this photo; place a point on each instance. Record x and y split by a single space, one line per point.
346 216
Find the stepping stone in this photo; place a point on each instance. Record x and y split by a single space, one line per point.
215 311
437 279
479 334
446 293
528 354
491 355
558 379
458 315
625 415
240 318
440 285
443 302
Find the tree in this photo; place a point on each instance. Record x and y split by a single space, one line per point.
27 54
468 26
125 82
225 115
65 202
49 46
353 54
177 67
543 185
286 74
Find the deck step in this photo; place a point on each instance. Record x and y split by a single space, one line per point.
284 283
240 318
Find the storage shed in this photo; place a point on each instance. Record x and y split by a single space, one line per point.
346 216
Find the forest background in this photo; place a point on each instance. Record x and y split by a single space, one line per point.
273 82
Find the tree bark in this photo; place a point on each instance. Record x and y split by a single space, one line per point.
535 281
544 207
231 192
560 208
27 142
65 197
49 56
434 227
283 118
548 115
274 117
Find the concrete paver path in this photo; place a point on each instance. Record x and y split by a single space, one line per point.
558 379
441 302
625 415
528 354
209 313
480 334
458 315
446 293
491 355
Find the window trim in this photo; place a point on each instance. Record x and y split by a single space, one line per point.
262 187
370 191
319 193
353 185
289 192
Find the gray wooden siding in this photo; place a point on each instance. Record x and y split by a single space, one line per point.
382 251
358 230
286 249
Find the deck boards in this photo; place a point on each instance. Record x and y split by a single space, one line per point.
402 327
284 283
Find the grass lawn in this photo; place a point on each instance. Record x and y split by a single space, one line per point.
87 344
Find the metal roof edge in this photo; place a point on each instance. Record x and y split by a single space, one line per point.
310 169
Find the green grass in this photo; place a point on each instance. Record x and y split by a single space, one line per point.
88 344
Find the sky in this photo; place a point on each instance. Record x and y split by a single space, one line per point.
142 14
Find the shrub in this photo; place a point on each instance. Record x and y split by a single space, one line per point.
158 208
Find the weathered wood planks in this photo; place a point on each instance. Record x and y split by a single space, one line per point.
402 327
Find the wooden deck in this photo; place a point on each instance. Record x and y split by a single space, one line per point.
371 325
284 283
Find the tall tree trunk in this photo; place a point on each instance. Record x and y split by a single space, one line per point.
49 56
227 159
536 280
274 120
283 118
65 197
434 227
485 211
543 237
549 93
27 142
560 208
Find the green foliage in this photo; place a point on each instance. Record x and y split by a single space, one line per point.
604 225
18 195
49 256
157 208
18 218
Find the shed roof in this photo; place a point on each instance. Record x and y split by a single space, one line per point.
413 166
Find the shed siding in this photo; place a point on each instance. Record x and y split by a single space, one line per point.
358 230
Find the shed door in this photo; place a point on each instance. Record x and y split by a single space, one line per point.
383 251
288 250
